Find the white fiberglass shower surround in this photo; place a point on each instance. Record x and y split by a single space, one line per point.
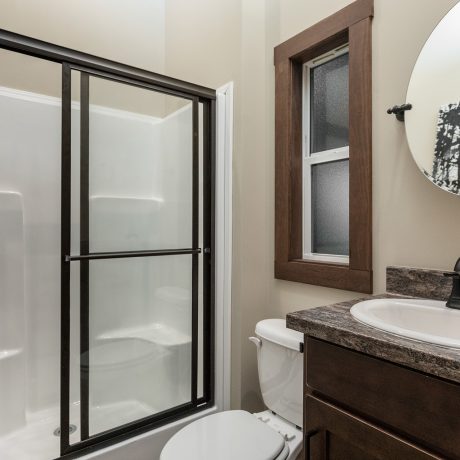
107 254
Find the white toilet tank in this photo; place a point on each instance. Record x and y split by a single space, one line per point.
280 366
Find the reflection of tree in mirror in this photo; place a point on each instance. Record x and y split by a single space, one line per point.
446 164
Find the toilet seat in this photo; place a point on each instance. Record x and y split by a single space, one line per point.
228 435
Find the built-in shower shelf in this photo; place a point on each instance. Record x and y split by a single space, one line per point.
156 333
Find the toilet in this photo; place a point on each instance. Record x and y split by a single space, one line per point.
274 434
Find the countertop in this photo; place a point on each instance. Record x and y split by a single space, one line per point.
334 324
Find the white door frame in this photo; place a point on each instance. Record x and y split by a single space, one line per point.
223 300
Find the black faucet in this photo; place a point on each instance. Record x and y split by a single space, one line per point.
454 300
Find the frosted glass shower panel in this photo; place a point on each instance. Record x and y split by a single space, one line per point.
30 186
137 346
106 250
138 360
139 168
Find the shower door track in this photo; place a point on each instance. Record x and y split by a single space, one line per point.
90 65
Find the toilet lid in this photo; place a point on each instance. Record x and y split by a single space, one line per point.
228 435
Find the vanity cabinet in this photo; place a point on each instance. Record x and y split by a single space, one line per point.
360 407
334 434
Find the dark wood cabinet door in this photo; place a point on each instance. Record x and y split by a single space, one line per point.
333 434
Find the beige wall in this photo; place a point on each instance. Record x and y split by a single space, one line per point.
131 32
210 42
203 45
415 224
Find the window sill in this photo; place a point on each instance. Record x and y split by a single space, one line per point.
325 259
334 275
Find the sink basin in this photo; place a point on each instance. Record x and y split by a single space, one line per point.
424 320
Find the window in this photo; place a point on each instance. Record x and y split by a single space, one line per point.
326 157
323 166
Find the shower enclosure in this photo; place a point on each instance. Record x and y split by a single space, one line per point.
106 250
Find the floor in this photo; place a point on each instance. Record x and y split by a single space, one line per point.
36 440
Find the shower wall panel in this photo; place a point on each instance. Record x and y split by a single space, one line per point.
30 172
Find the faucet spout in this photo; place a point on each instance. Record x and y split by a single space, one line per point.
454 300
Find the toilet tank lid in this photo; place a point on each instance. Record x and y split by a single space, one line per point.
275 330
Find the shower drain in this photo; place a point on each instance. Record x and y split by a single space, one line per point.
72 429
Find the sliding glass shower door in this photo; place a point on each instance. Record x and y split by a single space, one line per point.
106 252
136 256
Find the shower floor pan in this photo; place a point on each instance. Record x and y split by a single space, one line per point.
37 441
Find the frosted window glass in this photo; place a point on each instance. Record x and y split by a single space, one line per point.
329 105
329 193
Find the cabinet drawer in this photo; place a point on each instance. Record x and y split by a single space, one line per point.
333 434
420 407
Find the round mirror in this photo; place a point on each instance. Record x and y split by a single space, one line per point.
433 124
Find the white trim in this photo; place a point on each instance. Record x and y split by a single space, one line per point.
327 156
327 258
29 96
224 153
123 114
158 200
335 53
309 159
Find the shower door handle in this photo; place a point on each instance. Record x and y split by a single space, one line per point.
131 254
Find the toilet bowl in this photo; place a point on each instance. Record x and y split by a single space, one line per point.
275 434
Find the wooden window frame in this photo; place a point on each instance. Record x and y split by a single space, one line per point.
352 25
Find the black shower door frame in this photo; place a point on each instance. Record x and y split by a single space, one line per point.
89 65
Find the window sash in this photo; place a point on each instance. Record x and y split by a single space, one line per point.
306 99
309 159
307 220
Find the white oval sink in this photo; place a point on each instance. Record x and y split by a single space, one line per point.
425 320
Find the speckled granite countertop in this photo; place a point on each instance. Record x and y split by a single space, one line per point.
334 323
